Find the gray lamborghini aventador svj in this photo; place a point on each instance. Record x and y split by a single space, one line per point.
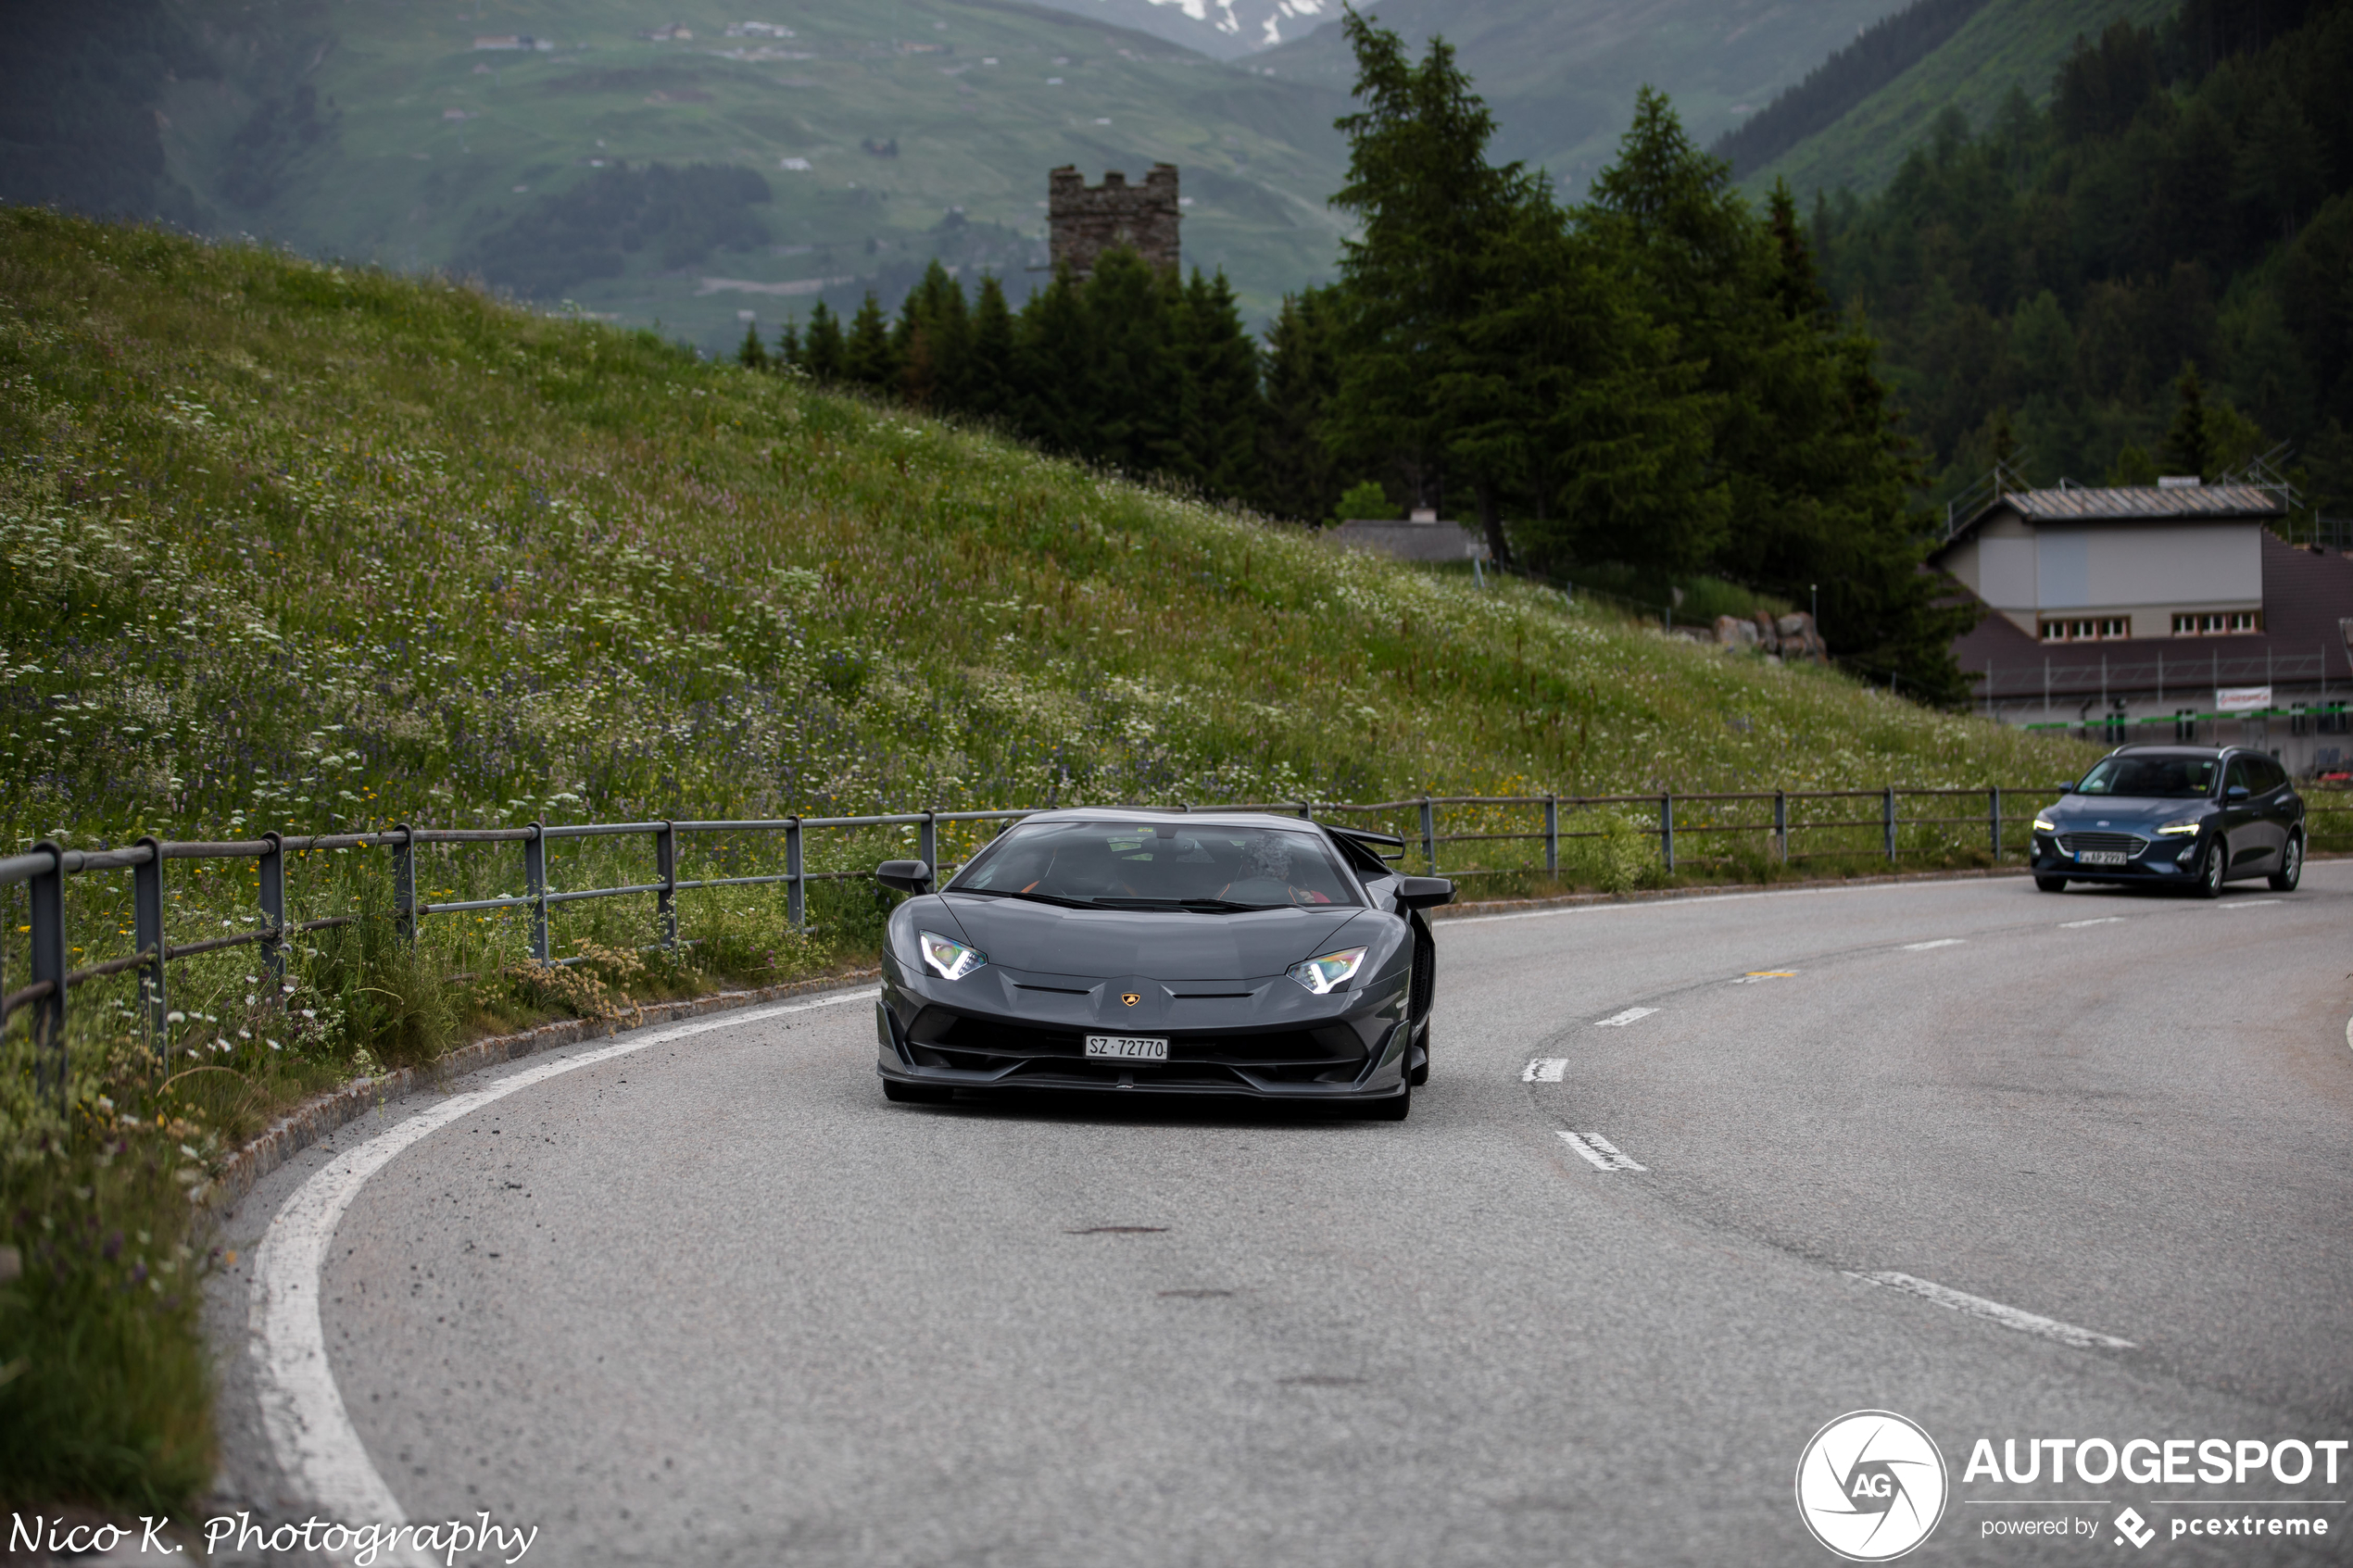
1146 952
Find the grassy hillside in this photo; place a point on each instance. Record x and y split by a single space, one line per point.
505 560
2009 43
289 545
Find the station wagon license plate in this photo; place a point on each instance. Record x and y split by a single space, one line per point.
2101 857
1127 1047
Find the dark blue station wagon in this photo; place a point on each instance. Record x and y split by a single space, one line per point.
2188 816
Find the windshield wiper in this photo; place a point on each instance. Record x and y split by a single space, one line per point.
1032 897
1206 905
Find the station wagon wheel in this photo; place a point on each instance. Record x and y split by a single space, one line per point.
2051 884
2291 870
2210 874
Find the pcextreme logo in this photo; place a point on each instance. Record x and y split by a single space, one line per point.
1870 1486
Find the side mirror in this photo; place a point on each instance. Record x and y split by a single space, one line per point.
1425 892
2067 790
907 876
2235 792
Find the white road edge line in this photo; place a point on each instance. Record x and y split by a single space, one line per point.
2080 924
2247 904
1600 1153
1996 1311
302 1411
1939 942
1545 1070
1620 1020
2349 1034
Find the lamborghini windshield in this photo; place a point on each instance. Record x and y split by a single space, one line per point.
1152 865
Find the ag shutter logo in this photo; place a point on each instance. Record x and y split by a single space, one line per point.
1870 1486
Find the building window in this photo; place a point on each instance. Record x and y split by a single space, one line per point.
2219 623
2106 628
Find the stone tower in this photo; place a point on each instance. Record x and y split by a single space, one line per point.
1086 220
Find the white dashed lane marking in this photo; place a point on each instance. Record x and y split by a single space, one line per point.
1600 1153
1545 1070
2248 904
1993 1311
1618 1019
2080 924
1939 942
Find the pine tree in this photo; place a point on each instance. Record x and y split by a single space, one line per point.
1227 409
788 353
989 388
932 342
870 358
1432 213
1298 477
753 354
2188 449
1053 355
1133 383
824 355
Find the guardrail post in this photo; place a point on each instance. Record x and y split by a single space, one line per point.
1887 822
795 889
1430 835
1994 816
404 883
46 893
1552 835
1780 822
1306 810
666 868
534 878
927 842
273 912
146 931
1667 828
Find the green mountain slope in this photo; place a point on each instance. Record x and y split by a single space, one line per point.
335 547
2009 43
1561 74
379 133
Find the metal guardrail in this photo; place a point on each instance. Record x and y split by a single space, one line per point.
46 867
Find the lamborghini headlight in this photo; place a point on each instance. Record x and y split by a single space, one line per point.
1329 973
948 958
2181 825
2045 825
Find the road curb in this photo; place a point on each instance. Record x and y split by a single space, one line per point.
325 1112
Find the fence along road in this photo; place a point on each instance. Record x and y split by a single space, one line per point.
45 869
719 1302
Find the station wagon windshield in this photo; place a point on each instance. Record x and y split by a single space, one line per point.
2162 778
1138 865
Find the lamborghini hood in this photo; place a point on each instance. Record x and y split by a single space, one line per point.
1166 945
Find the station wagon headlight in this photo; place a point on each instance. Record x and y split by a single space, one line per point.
947 958
1329 973
2181 825
2045 825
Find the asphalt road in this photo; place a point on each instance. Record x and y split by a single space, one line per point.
717 1303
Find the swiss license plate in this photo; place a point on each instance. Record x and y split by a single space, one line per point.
1127 1047
2101 857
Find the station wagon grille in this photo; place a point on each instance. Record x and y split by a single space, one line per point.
2076 843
